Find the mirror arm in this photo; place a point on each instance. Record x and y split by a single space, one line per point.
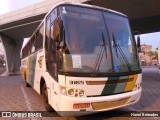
138 44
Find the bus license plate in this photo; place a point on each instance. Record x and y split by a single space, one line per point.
81 105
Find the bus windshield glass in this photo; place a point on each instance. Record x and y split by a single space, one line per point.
86 40
87 48
122 43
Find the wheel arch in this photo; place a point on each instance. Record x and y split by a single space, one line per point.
24 76
42 82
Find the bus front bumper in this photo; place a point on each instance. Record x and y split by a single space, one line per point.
88 105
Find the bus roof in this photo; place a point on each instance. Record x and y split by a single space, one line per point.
85 5
76 4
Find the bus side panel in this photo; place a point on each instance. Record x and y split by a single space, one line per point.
28 69
32 65
40 71
55 91
38 76
23 67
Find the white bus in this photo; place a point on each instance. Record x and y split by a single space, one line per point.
83 58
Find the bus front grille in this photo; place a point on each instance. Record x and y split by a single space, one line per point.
109 82
109 104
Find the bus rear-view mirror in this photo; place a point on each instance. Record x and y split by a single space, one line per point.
138 44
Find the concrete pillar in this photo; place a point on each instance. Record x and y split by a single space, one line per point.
12 54
17 61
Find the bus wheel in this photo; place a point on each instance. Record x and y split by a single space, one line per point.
45 98
26 84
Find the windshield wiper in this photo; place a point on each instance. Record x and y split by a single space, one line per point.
101 51
117 47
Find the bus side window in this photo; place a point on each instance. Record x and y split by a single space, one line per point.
33 43
47 33
28 48
33 48
39 38
47 41
52 42
24 52
52 54
41 34
50 45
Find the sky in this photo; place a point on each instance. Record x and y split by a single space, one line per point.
11 5
151 39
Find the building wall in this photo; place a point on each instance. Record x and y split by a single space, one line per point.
145 59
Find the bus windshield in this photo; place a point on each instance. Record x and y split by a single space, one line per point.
124 52
85 35
87 47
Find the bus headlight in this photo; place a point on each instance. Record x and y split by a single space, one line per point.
137 86
81 93
63 90
70 92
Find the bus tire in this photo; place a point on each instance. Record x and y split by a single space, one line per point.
26 84
45 99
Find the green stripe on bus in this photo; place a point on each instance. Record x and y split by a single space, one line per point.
124 77
115 85
120 88
121 85
32 68
110 88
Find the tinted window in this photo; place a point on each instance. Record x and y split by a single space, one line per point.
35 43
39 37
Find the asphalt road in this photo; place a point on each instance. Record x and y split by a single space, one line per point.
14 96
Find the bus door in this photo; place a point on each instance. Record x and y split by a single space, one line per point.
51 59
